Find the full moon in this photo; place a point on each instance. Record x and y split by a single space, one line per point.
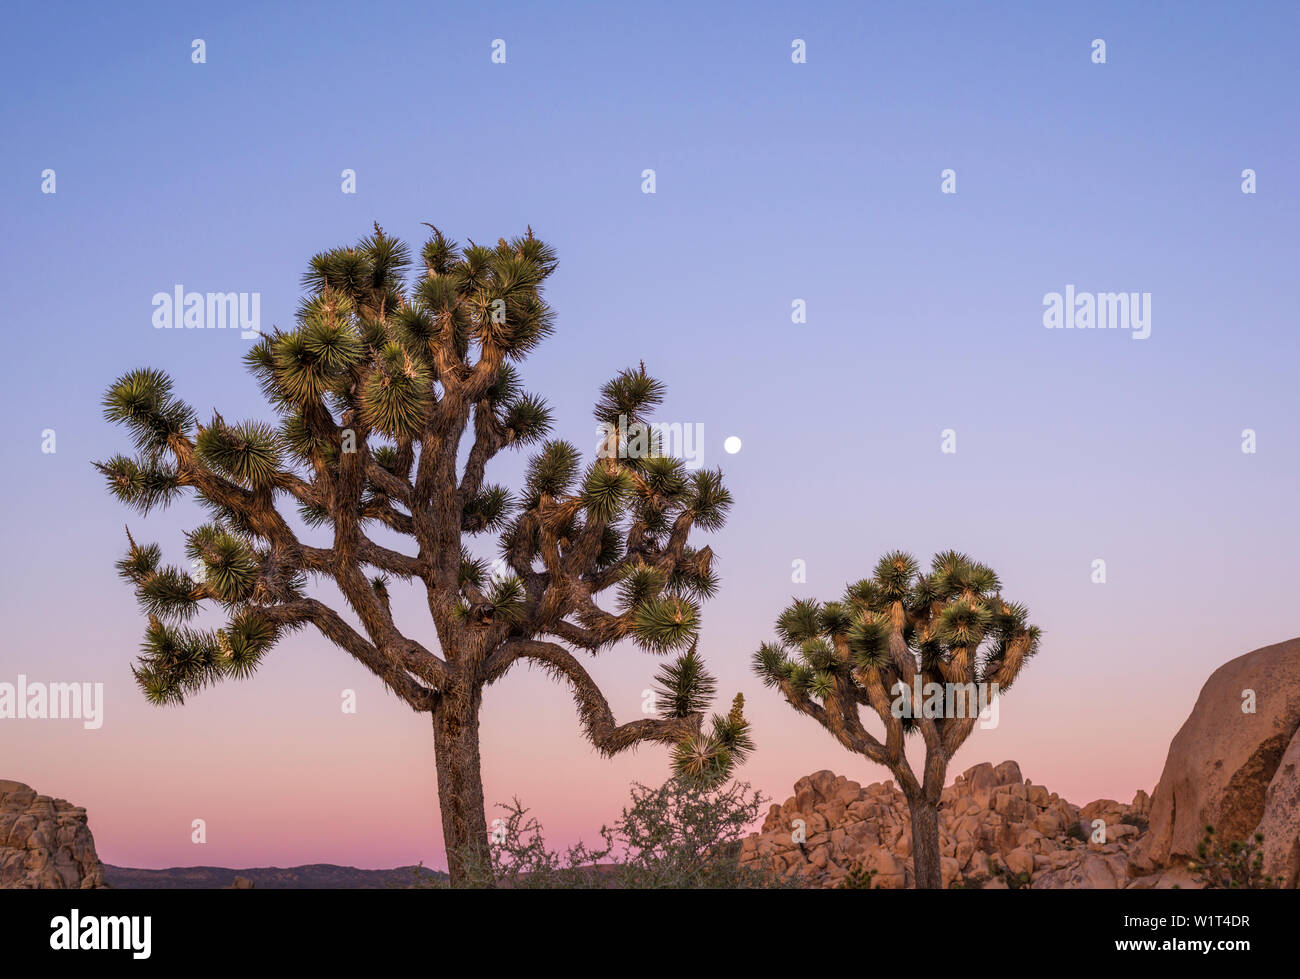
732 445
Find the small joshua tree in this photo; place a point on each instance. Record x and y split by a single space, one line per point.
882 646
1239 864
376 391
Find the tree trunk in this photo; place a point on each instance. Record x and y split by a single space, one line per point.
925 843
460 787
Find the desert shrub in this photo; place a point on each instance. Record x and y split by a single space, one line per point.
684 834
521 859
859 878
1014 881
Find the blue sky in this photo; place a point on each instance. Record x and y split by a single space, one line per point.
775 181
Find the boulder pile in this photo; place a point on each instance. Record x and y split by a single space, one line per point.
996 830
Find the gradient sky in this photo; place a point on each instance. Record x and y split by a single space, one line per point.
776 181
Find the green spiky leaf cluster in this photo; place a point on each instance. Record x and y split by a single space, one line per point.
248 453
685 686
177 660
949 624
711 757
685 689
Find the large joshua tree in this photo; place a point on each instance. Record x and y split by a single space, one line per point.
392 397
882 646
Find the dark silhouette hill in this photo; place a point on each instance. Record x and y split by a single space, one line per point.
315 875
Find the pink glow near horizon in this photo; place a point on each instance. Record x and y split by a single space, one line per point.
282 777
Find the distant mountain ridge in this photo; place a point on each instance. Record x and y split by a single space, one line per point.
319 875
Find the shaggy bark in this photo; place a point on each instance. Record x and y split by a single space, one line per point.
460 783
925 843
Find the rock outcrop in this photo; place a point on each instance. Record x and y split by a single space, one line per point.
1280 824
1234 769
44 842
995 830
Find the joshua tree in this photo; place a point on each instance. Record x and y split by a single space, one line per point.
882 646
1239 864
377 390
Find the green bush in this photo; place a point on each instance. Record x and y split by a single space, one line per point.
1014 881
685 834
859 879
